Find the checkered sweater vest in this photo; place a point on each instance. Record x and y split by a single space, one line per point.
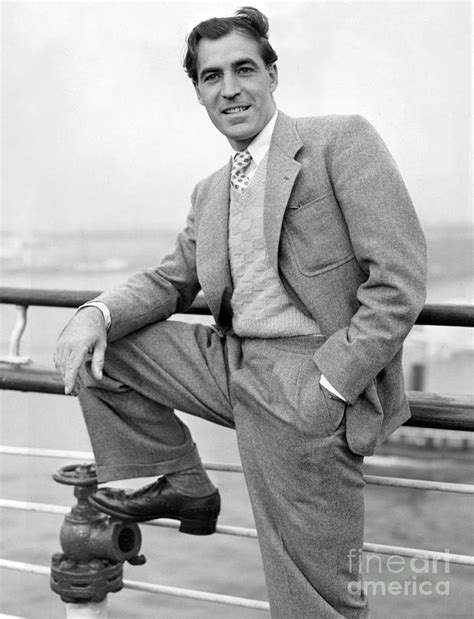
260 304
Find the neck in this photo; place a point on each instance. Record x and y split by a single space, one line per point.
241 145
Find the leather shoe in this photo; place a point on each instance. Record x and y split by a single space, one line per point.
198 515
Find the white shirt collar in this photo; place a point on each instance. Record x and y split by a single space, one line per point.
261 143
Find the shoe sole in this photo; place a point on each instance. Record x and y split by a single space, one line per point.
192 526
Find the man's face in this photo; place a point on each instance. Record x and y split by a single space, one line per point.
235 87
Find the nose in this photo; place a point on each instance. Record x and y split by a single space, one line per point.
230 86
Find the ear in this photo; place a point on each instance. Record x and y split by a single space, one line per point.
198 92
273 74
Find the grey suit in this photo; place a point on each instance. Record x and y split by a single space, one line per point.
341 231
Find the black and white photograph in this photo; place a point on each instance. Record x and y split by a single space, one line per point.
236 309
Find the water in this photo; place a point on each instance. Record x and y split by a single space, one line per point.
218 563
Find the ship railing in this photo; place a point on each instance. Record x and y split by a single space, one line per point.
429 410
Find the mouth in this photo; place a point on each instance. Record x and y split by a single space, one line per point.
238 109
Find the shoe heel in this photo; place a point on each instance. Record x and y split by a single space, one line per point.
198 527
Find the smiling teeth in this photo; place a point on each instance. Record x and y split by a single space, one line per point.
232 110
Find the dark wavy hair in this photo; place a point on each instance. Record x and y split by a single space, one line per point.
247 21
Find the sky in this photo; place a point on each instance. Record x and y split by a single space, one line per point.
101 128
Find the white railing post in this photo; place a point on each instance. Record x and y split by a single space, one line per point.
19 327
92 610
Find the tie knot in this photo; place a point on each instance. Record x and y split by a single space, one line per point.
241 159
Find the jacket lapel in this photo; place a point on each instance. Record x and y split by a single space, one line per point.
282 170
212 246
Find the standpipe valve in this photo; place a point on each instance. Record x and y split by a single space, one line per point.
94 546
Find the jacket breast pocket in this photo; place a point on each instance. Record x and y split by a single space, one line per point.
317 235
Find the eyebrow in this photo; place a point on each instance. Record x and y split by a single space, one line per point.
235 65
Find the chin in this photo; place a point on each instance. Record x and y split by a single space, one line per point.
241 136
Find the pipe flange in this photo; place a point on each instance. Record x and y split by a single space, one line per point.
84 582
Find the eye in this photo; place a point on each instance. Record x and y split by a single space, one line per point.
246 70
211 77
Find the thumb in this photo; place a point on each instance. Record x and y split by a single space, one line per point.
97 362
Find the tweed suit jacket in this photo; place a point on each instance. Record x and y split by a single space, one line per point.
342 234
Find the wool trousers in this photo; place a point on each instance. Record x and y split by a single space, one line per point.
305 485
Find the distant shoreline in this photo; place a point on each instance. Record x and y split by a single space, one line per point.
450 251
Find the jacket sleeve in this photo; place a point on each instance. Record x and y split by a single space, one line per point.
390 248
156 293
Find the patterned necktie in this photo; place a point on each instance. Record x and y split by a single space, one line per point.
238 178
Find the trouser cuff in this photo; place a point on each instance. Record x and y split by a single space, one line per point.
112 472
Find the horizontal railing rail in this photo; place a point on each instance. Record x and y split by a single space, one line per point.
428 410
449 557
192 594
432 314
377 480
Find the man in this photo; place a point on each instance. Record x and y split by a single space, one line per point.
311 258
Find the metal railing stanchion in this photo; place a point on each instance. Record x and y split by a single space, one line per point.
13 357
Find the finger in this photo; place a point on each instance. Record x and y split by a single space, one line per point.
63 351
75 389
59 362
97 362
73 364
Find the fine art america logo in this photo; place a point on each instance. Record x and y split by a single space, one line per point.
397 575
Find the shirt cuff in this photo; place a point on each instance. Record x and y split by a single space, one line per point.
104 310
323 381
